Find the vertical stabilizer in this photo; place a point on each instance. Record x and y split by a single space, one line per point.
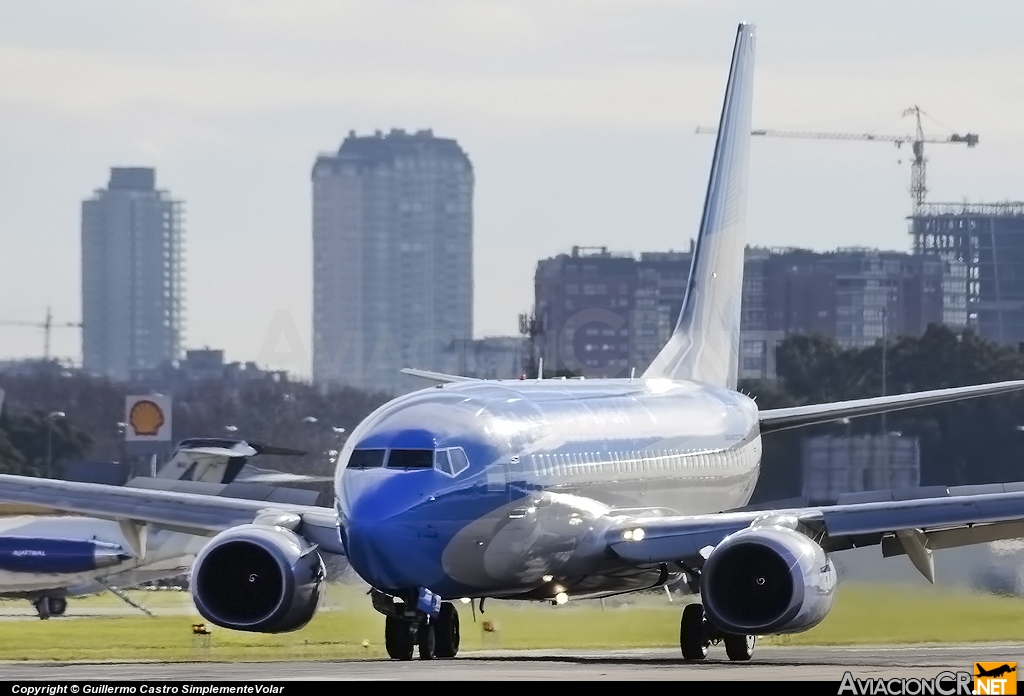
705 344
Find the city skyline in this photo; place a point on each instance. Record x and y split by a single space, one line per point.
579 117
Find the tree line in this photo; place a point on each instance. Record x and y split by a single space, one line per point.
282 413
968 442
974 441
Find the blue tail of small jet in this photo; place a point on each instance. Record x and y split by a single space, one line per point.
705 344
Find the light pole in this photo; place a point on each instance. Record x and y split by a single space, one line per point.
885 346
122 435
49 440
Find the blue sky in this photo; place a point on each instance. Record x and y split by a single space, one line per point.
578 116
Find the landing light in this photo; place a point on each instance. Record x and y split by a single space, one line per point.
561 598
633 535
548 578
465 600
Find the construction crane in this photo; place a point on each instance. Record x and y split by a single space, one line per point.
918 189
46 326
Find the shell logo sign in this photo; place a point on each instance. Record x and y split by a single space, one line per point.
148 418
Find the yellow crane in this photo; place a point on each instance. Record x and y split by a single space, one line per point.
46 326
918 189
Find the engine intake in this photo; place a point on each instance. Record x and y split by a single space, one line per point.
767 579
257 577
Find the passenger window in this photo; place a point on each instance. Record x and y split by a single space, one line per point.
411 459
441 462
366 459
459 460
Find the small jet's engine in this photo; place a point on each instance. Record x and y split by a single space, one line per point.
767 578
258 577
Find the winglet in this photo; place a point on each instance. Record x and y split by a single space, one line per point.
705 344
436 376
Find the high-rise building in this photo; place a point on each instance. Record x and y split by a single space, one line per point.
600 313
132 275
583 303
392 258
988 239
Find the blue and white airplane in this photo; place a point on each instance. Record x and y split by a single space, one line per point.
541 489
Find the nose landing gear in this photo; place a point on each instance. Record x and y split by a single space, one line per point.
408 630
697 634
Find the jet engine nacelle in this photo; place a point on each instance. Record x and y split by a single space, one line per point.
767 578
258 577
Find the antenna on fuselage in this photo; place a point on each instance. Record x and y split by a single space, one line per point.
632 373
540 368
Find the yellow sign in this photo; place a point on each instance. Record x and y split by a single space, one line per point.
147 418
995 677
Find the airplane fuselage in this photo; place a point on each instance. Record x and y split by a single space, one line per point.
548 464
166 552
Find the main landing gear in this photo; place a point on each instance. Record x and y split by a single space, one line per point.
50 606
408 631
697 634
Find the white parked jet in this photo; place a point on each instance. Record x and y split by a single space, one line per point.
555 489
46 558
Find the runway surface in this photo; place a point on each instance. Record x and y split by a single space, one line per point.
769 663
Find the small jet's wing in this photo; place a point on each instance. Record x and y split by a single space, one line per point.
211 460
798 416
273 449
436 376
192 513
901 521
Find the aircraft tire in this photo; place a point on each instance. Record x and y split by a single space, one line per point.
427 639
398 638
57 605
42 606
446 631
739 647
692 633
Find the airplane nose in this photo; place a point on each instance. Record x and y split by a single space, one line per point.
389 537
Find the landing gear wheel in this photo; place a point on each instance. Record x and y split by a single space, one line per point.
446 631
739 647
398 638
58 605
427 639
42 606
693 633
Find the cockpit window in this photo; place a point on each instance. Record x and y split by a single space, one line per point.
459 461
441 462
366 458
411 459
451 461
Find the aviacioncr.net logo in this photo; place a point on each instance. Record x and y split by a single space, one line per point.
942 684
995 677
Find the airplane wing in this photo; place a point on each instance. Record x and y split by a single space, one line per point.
914 522
436 376
798 416
192 513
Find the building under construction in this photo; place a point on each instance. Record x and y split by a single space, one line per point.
989 240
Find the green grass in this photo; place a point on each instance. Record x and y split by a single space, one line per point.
910 614
862 614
